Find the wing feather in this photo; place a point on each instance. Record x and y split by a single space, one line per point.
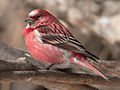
58 36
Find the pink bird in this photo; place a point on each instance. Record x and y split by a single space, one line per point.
49 41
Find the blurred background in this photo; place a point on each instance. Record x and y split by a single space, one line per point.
95 23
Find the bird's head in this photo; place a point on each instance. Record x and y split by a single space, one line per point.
38 18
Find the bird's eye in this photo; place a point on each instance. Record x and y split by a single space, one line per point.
38 16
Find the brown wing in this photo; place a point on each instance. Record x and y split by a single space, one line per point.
64 41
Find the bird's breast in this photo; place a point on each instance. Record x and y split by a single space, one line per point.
44 52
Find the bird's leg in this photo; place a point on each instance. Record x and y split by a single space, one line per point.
56 66
50 66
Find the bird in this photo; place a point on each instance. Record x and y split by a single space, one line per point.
50 42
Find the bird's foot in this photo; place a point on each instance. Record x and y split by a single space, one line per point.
59 67
52 66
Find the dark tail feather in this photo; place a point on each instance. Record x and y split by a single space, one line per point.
101 73
90 55
88 64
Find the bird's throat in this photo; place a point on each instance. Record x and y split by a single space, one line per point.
27 29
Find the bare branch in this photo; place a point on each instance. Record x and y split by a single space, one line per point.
14 66
56 76
12 59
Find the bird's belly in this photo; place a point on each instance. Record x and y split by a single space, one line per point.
45 52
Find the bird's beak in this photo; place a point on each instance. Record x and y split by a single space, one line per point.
29 20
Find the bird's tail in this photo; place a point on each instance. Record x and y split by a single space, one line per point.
86 63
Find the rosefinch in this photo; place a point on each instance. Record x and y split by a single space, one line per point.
50 42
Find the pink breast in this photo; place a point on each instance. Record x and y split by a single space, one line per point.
44 52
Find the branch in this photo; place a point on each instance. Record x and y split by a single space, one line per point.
43 78
57 76
14 66
12 59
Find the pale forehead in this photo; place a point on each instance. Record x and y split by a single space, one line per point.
33 13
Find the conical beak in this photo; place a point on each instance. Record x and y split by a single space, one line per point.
29 20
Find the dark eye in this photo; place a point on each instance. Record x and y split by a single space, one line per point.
38 16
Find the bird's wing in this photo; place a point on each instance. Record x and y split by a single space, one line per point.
63 39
